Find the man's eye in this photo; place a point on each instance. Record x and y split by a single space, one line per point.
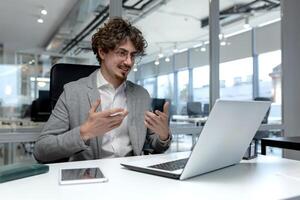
123 53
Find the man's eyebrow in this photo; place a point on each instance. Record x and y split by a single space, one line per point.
134 52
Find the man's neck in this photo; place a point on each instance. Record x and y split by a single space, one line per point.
115 82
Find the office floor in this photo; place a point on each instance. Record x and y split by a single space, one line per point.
184 143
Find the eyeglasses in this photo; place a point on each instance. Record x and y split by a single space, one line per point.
123 54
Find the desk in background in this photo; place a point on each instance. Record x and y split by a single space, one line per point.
280 142
11 134
261 178
184 118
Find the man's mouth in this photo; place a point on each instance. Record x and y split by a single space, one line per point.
124 68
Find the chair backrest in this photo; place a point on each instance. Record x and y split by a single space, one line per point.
205 111
194 108
63 73
40 107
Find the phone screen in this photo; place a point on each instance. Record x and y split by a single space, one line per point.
81 175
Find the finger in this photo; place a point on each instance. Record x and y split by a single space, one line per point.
161 114
150 114
115 119
155 119
95 105
107 113
115 124
125 113
151 121
148 125
166 108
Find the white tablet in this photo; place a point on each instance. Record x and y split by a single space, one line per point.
81 175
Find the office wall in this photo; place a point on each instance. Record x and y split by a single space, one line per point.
290 71
267 39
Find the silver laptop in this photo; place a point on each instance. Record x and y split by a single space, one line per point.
223 141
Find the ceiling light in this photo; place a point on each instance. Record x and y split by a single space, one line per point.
156 62
221 36
167 59
269 22
160 55
222 39
44 12
41 84
223 43
40 20
203 48
175 50
135 69
247 25
197 45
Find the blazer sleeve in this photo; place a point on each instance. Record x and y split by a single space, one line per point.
56 141
153 145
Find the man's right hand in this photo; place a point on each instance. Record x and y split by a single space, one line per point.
99 123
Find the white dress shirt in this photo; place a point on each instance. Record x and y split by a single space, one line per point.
115 143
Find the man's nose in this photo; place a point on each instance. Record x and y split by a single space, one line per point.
129 61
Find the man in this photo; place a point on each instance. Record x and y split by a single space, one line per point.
104 115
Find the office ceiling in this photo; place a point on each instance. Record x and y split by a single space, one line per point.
163 22
19 29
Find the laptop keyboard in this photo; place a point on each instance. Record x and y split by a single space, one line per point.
171 166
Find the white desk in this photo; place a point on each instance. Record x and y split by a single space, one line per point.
184 118
262 178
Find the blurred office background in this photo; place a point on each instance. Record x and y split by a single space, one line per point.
37 34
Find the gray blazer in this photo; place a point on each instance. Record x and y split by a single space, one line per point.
60 137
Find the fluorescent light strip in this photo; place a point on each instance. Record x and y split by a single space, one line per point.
269 22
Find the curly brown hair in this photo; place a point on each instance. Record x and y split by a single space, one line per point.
113 33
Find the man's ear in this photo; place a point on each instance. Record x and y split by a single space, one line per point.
101 53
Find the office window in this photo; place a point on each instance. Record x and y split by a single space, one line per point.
236 79
270 82
201 84
183 81
149 85
165 86
9 90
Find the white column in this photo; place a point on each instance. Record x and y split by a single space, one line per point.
115 8
214 51
290 30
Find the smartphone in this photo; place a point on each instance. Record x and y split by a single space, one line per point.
81 175
158 104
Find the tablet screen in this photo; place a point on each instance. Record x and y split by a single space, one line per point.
82 175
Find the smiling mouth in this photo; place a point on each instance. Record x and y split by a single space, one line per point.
124 69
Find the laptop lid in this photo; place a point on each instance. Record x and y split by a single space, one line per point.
223 141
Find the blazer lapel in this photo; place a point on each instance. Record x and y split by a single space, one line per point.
93 95
135 134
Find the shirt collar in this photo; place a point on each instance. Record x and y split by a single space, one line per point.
102 82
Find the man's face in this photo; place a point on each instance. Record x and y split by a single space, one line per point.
117 63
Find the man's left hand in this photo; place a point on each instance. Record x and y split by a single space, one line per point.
158 122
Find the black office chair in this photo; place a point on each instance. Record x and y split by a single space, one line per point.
205 111
40 107
194 108
63 73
